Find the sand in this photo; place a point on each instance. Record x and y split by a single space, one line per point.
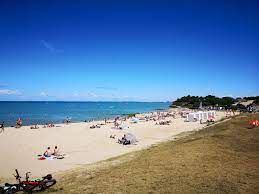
19 147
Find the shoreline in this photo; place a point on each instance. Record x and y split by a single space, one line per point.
109 118
56 112
81 144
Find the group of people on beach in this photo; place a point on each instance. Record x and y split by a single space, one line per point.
117 121
18 124
49 152
49 125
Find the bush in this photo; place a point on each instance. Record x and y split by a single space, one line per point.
132 114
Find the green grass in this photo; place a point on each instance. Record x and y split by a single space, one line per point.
223 158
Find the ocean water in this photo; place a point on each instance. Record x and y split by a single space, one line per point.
56 112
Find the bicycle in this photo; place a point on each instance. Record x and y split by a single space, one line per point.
28 185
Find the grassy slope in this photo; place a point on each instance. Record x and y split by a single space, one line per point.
220 159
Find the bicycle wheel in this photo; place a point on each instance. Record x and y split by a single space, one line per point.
1 190
49 183
10 191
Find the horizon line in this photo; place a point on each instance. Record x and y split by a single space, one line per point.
167 101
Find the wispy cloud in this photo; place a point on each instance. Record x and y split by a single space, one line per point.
50 47
85 95
105 88
9 92
45 94
91 94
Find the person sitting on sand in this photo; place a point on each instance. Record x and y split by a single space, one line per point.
163 123
122 140
35 127
18 123
47 153
51 125
56 151
57 154
94 126
112 136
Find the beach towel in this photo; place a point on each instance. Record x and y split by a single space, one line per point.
50 158
41 158
46 158
60 157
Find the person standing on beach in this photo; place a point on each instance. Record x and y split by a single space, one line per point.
2 127
19 123
116 122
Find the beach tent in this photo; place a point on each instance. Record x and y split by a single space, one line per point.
205 116
147 115
191 117
123 126
154 114
135 120
211 114
197 116
130 137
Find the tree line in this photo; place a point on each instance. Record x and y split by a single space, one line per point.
193 102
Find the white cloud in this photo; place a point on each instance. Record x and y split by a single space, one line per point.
9 92
75 94
43 94
91 94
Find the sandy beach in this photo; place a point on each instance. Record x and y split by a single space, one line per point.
81 144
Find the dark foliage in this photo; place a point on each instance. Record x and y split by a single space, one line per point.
193 102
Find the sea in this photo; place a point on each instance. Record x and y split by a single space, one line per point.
55 112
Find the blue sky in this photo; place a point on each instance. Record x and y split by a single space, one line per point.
128 50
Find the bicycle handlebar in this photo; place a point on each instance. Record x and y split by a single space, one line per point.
17 176
17 172
27 175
